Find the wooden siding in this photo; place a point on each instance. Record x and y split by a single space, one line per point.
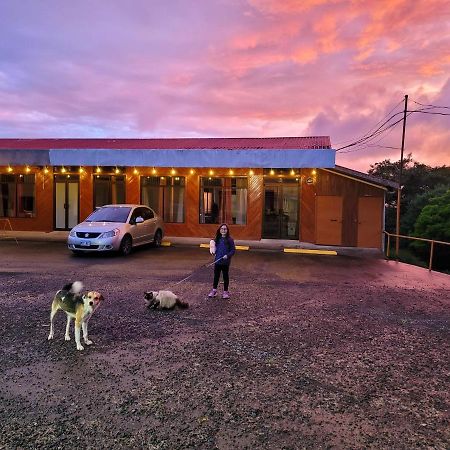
328 183
44 203
307 224
192 227
325 183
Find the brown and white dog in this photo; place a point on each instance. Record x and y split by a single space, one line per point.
77 306
163 300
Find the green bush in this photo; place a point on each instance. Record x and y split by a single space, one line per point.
434 223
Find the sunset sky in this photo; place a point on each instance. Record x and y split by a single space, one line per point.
230 68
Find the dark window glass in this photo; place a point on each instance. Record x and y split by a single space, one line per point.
109 189
165 195
110 214
17 195
223 200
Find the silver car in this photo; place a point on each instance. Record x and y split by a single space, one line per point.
116 228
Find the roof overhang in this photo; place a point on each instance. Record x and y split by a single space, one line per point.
365 178
229 158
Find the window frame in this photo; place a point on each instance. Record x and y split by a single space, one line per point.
164 183
18 197
224 210
111 177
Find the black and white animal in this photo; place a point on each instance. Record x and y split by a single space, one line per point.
163 300
77 306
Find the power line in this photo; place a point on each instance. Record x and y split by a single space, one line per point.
370 130
362 143
430 112
432 106
376 133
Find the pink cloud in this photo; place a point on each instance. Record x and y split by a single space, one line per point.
226 68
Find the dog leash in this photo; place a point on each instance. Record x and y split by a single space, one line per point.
193 273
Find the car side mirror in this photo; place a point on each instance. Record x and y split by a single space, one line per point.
139 219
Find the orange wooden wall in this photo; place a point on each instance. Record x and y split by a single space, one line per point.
324 183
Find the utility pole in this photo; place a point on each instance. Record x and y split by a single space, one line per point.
399 190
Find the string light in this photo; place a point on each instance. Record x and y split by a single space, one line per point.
153 171
135 171
313 171
173 171
251 172
191 171
292 172
211 172
231 172
45 169
28 169
98 170
63 169
10 169
117 170
272 172
81 170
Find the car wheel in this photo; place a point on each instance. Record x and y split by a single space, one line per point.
126 245
157 239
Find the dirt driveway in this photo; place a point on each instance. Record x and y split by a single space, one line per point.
311 352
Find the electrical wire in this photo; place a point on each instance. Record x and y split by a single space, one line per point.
431 106
370 130
369 139
375 134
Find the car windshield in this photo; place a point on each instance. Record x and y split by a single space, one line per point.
109 214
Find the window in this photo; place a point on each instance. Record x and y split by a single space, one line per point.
223 200
17 196
109 189
165 195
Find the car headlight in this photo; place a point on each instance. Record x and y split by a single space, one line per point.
110 234
73 233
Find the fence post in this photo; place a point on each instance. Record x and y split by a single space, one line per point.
388 245
431 256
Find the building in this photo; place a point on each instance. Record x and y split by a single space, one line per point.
273 188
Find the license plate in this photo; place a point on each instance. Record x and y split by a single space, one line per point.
85 244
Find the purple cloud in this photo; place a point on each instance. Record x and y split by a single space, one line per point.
227 68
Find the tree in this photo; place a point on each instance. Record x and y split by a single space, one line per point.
434 223
416 206
417 179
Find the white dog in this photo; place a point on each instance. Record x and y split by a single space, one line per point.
212 247
163 300
76 306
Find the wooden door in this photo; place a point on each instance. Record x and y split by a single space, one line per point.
328 220
370 220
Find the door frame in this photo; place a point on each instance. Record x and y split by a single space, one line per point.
279 189
74 179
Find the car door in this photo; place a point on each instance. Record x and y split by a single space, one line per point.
137 230
150 224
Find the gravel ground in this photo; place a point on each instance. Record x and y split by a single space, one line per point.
311 352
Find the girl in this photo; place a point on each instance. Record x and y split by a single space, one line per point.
224 250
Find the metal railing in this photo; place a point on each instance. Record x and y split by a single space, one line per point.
412 238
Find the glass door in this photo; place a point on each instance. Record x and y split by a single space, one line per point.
280 217
66 201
